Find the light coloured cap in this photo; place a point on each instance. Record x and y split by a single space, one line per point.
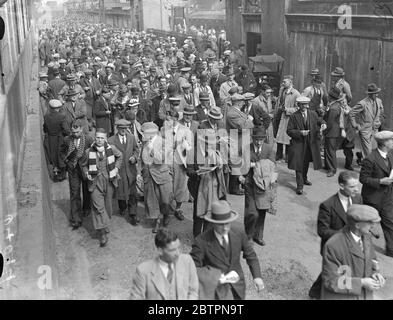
249 96
62 61
237 97
303 100
363 213
122 123
110 65
55 104
149 128
383 135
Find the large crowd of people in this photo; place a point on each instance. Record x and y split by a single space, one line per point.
131 115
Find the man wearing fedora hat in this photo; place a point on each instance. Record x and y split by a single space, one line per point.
187 120
304 127
377 179
216 254
349 266
258 196
92 89
213 121
75 108
71 83
56 84
334 135
204 88
367 116
126 189
339 82
187 98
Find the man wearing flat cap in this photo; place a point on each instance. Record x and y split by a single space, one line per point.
216 254
156 176
349 266
304 129
367 116
377 179
126 189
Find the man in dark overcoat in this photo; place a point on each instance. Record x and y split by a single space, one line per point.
126 189
55 129
349 265
73 154
216 254
332 216
377 190
303 129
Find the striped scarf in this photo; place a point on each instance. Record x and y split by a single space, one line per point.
93 171
74 154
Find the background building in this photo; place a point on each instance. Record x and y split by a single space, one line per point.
312 33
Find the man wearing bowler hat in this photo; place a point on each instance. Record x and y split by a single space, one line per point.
367 117
377 179
216 254
126 189
304 128
349 266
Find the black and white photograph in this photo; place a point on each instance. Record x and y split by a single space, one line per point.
206 150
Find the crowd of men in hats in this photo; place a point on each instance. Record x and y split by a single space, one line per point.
131 115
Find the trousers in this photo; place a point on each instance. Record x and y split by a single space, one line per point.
75 181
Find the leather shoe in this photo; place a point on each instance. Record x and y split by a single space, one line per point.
165 221
307 183
104 239
261 242
76 225
156 226
134 220
330 174
299 191
350 168
179 215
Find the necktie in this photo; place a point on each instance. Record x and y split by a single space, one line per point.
76 143
360 243
349 203
170 273
225 245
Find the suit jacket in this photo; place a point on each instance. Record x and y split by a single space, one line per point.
201 115
149 282
238 120
66 154
362 113
94 86
127 170
56 85
373 169
79 113
332 118
194 125
332 217
209 256
341 253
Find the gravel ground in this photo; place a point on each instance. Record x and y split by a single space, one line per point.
290 261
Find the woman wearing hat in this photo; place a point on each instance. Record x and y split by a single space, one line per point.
367 116
55 129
